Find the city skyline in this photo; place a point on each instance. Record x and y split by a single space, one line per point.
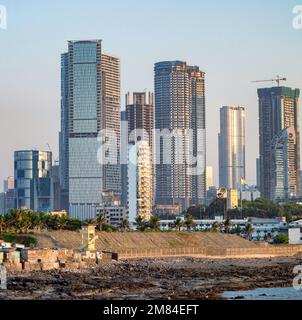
40 76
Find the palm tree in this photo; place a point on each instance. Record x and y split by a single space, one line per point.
125 225
249 231
101 221
2 224
178 224
189 222
227 225
215 226
141 223
154 223
237 230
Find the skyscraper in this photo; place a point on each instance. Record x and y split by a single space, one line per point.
140 160
279 111
33 183
90 104
231 147
64 134
284 175
180 109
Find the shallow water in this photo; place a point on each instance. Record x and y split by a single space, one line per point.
265 294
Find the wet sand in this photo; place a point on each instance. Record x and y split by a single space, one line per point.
169 278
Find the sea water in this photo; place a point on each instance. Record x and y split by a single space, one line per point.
265 294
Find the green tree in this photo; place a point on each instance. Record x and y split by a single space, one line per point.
189 222
125 225
141 223
281 238
178 224
227 225
154 223
101 221
215 226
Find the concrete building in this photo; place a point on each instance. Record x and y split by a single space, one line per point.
33 183
250 193
231 147
114 215
140 123
232 200
9 184
90 104
278 111
7 198
180 114
140 181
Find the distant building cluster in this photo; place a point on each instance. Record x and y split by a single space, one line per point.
149 157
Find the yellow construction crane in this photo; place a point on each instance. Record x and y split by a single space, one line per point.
278 79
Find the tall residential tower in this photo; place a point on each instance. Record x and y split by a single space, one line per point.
180 112
140 181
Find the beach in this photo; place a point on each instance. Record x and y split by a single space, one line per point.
154 279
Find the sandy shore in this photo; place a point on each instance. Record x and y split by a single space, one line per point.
169 278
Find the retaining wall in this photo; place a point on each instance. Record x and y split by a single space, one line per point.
211 252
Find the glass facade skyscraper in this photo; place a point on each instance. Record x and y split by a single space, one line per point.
180 109
33 184
90 103
231 147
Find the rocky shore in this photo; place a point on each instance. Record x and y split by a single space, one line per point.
170 278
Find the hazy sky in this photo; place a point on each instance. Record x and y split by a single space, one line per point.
233 41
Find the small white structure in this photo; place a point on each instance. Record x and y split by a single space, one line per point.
294 236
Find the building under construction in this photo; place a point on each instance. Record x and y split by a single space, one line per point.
279 142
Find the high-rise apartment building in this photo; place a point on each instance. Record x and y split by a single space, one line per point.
90 105
279 111
231 147
140 182
180 109
33 183
284 175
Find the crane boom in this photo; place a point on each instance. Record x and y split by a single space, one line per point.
278 79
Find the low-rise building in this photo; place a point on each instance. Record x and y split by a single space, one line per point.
114 215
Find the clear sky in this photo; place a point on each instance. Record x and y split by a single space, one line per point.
233 41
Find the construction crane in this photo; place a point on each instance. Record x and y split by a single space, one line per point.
278 79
